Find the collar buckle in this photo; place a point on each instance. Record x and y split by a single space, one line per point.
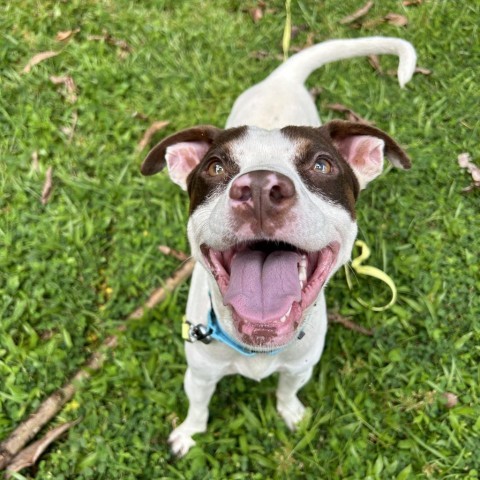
196 333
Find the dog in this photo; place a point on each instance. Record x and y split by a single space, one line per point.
272 217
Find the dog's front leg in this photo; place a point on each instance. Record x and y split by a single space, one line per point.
199 389
288 405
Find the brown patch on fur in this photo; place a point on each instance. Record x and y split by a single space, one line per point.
337 130
155 160
200 184
339 186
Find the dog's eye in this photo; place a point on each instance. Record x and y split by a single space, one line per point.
322 165
215 168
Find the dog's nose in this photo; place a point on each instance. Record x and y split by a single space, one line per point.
263 194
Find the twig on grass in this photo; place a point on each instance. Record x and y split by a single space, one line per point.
26 431
47 186
361 12
36 59
11 447
147 136
349 113
335 317
65 35
158 295
166 250
29 456
69 83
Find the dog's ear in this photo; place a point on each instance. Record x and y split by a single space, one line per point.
363 147
180 152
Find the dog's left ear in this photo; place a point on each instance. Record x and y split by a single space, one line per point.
180 152
364 147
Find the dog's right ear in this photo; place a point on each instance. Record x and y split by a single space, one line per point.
180 152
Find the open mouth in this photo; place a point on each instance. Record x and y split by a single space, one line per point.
268 285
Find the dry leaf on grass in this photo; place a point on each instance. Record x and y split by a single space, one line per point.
396 19
349 113
107 38
423 71
151 130
256 14
70 86
374 61
411 3
420 70
391 18
450 399
30 455
39 57
464 161
47 186
66 35
69 130
357 14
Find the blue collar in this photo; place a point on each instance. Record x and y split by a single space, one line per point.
213 331
216 332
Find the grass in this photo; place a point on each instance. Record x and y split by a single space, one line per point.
72 270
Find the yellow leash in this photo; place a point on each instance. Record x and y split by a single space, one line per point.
371 272
287 31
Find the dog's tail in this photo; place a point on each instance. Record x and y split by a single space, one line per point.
301 65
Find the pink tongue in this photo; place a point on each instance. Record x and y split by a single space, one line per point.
263 285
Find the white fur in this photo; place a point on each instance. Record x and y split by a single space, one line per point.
280 100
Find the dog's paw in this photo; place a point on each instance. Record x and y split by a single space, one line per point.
180 442
291 410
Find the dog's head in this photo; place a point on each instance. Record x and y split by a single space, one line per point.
272 213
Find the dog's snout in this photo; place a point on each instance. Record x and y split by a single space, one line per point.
262 196
264 187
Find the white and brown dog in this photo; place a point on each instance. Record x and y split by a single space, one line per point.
272 217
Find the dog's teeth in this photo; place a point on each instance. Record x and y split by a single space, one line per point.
302 269
302 273
284 318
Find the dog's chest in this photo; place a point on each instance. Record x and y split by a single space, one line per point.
255 368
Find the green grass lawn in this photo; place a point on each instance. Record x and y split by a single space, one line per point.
72 270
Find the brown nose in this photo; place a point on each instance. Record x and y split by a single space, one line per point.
264 195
